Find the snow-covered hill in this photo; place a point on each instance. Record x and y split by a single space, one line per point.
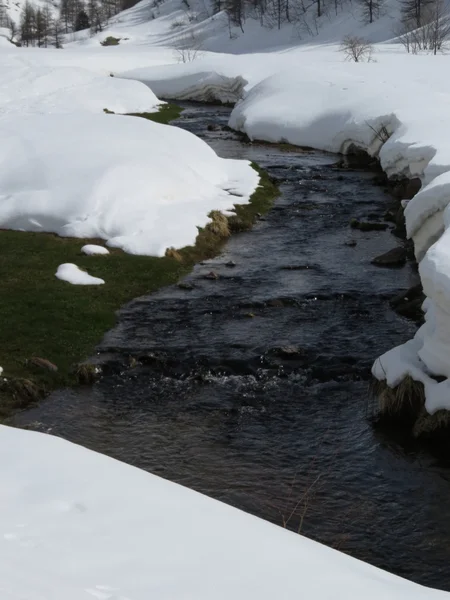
173 23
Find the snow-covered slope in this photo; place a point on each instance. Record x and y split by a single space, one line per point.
171 23
78 525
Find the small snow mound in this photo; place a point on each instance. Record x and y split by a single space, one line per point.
93 249
73 274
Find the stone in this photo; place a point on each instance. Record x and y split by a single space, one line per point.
42 363
393 258
368 225
289 352
409 304
185 285
230 264
351 243
211 275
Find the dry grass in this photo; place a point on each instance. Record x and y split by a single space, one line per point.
87 373
17 393
428 424
219 224
401 403
173 253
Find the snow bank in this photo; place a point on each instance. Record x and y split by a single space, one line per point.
77 524
26 89
93 249
206 86
140 186
73 274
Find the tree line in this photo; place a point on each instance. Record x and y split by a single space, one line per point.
428 16
45 25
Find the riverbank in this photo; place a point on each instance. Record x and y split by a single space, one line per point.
60 324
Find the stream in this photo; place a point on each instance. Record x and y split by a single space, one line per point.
253 387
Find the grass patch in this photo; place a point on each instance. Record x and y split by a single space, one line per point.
164 115
399 405
41 316
110 41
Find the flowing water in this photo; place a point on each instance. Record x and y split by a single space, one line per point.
254 385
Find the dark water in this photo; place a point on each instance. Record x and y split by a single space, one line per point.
254 387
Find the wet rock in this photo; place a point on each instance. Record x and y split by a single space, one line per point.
409 304
368 225
393 258
153 358
289 352
351 243
275 303
230 264
213 127
390 215
380 179
400 227
184 285
406 189
211 275
412 188
42 363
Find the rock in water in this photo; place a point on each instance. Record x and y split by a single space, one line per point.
212 275
368 225
393 258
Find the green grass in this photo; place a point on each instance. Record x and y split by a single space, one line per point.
165 114
110 41
42 316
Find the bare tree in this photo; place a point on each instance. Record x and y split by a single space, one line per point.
12 30
356 49
188 48
371 10
437 30
236 12
3 15
413 11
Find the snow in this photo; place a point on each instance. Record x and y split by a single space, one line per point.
138 185
36 88
73 274
141 186
76 524
93 249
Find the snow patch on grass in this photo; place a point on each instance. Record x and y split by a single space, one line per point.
93 250
73 274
